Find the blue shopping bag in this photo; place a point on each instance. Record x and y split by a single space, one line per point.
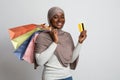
19 52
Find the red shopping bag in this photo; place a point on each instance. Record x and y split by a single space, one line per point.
19 30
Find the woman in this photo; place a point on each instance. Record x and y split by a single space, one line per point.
55 49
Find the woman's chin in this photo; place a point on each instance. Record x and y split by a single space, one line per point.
59 27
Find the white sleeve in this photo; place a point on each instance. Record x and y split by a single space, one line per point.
76 52
42 58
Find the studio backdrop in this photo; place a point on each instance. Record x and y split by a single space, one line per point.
100 53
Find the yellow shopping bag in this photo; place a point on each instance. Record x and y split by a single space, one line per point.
20 39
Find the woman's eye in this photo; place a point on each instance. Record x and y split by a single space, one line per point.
62 17
55 17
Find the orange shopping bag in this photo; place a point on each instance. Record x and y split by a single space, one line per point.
17 31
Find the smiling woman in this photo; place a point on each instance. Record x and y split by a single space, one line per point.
55 49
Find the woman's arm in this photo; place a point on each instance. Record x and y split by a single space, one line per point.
42 58
76 52
77 49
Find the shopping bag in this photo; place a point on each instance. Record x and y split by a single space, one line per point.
20 39
29 53
23 41
19 52
17 31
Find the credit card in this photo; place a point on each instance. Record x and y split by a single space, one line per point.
81 27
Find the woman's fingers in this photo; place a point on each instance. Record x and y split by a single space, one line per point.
44 27
82 36
54 35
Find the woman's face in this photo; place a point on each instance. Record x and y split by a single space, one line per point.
58 20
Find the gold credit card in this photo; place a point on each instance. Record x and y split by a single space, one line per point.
81 27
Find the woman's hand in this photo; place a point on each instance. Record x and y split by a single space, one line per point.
44 27
82 36
54 35
53 32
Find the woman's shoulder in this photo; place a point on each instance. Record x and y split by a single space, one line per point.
44 35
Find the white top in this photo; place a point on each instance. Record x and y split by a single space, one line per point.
53 70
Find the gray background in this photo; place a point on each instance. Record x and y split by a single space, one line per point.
99 57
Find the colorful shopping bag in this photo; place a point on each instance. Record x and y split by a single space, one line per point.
19 52
23 40
20 39
29 53
17 31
